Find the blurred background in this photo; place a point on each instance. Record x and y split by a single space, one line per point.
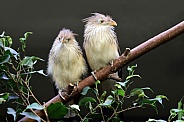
161 69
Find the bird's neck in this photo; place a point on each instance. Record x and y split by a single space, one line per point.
97 33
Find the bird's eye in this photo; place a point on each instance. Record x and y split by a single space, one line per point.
68 39
59 38
100 21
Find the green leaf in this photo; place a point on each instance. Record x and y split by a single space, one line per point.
121 92
31 115
75 107
103 96
3 76
85 90
131 68
140 92
131 76
137 92
2 35
23 40
2 100
154 120
11 52
162 96
180 114
27 61
9 39
2 42
151 102
176 110
118 86
33 72
30 61
35 106
97 82
11 111
4 59
86 120
56 110
3 97
123 83
86 100
12 97
108 101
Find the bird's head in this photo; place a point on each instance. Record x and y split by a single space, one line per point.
99 20
66 36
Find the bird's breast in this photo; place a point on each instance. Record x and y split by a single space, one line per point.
100 52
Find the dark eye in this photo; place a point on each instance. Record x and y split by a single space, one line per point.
59 38
68 39
100 21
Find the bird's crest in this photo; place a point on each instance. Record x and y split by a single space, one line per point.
96 16
67 33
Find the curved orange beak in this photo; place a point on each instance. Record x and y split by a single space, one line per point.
113 23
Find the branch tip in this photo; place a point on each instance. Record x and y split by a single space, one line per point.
126 52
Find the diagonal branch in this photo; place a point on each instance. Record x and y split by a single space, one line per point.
125 58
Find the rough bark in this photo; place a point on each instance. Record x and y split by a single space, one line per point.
125 58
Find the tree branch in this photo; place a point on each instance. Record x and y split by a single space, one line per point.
125 58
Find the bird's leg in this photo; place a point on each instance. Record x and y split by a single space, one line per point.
111 63
76 85
66 92
113 75
62 93
93 74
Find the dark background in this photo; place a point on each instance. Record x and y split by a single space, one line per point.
161 69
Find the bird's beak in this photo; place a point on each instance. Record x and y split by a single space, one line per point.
113 23
62 40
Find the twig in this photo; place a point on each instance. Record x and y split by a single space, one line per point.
119 63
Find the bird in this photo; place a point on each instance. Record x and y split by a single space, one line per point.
66 63
100 44
101 48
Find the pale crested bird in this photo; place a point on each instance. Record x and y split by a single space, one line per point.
100 44
66 63
101 48
100 41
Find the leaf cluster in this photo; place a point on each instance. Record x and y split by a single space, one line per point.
15 74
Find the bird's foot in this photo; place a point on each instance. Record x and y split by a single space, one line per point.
93 74
65 93
62 93
114 76
76 85
111 63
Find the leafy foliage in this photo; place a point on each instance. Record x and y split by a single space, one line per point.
175 113
15 73
57 111
115 101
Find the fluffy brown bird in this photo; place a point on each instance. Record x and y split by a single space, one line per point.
66 63
100 45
